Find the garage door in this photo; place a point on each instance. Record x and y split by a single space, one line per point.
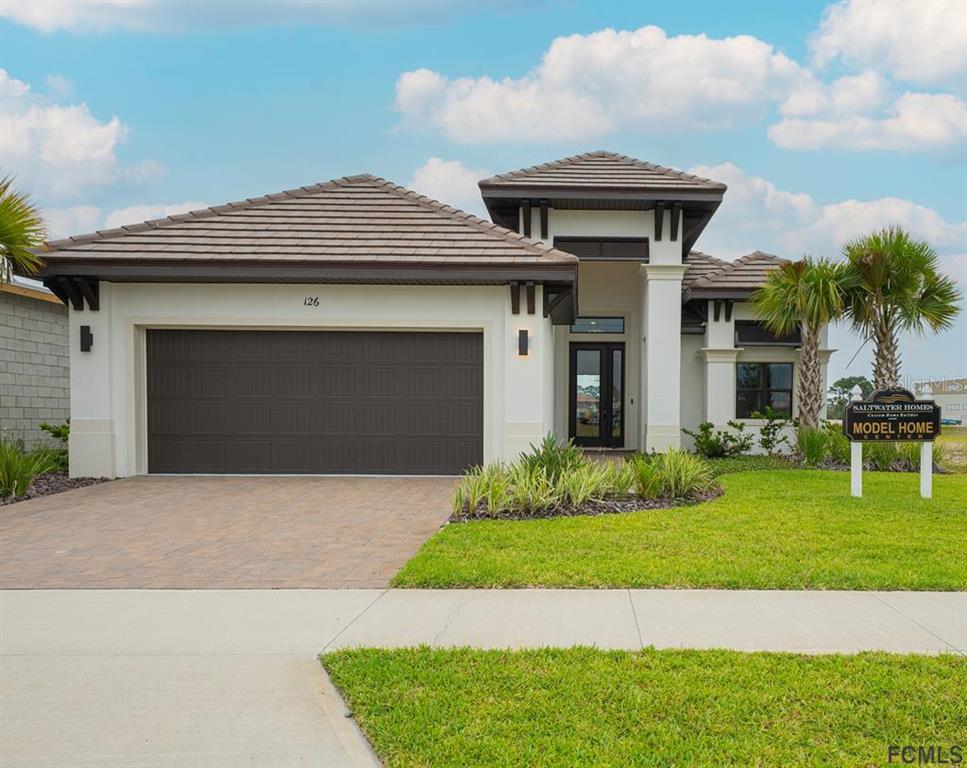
314 402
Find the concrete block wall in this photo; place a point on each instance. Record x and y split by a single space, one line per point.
34 366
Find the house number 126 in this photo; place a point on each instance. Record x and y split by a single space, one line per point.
311 301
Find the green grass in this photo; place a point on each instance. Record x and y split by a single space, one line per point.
543 708
732 464
792 529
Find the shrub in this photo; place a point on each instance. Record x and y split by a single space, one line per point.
713 443
533 492
589 482
811 445
684 474
18 468
837 444
555 457
61 433
674 474
646 475
619 478
882 456
770 433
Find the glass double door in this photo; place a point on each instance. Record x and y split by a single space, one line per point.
597 395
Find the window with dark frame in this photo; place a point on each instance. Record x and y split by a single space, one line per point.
761 385
598 325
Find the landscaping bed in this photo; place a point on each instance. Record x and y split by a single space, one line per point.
776 529
556 479
50 483
560 708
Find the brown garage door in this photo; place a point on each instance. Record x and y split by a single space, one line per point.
314 401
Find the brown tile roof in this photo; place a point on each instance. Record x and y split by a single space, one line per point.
356 220
602 170
727 279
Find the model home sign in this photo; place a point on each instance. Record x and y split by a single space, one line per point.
892 414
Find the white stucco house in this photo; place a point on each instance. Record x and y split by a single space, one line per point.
355 326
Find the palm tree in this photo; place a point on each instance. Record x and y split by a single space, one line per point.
894 284
803 295
21 230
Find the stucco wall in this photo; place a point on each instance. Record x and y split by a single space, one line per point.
107 384
33 366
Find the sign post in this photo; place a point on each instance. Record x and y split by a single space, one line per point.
892 415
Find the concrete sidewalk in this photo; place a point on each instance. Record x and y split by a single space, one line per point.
227 678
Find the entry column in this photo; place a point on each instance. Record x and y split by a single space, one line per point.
661 366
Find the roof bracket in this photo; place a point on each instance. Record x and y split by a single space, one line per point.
531 299
526 210
728 309
659 219
676 215
515 298
543 205
716 309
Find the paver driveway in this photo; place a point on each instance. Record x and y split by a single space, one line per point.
221 532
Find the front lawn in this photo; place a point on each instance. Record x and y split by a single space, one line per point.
792 529
424 707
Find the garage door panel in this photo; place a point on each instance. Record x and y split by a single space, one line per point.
314 401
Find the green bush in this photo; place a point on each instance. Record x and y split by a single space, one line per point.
533 490
619 478
771 438
881 456
712 443
61 433
837 444
648 482
674 474
555 457
811 445
19 468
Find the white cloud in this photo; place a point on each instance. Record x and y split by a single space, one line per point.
589 85
847 95
83 219
135 214
756 214
917 41
94 16
450 182
917 121
59 149
74 220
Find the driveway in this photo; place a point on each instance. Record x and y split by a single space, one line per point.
221 533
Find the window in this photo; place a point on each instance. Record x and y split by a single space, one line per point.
758 385
599 325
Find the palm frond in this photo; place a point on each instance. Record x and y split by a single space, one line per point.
22 230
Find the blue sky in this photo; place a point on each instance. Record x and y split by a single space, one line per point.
824 119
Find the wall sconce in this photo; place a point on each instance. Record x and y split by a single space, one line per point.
522 342
87 338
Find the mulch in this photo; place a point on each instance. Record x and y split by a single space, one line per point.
589 508
53 482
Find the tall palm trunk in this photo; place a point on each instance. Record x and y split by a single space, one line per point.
810 379
886 360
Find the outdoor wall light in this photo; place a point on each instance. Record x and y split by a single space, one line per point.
87 338
522 342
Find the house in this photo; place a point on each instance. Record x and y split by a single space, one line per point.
949 394
34 361
355 326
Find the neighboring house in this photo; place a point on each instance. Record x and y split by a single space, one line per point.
949 394
33 361
358 327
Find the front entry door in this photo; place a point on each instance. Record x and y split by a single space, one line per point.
597 395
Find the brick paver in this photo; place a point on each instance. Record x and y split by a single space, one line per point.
221 533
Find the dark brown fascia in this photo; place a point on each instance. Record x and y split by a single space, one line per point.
239 271
740 294
519 191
